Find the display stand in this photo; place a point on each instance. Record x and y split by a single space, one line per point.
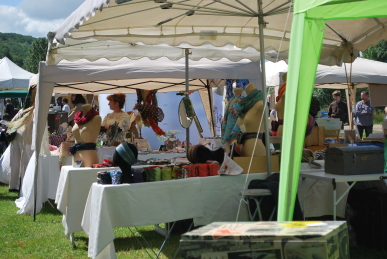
142 144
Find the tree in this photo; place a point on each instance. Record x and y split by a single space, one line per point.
378 52
4 52
36 53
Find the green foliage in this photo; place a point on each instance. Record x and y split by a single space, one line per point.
324 96
36 53
15 46
378 52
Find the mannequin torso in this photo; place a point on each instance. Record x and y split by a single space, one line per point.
237 92
87 133
279 107
250 122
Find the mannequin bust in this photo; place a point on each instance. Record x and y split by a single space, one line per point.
249 123
125 166
237 92
87 133
279 107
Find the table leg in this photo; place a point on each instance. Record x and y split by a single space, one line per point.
72 240
303 197
334 199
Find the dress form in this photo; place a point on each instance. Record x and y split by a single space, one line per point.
237 92
280 107
250 123
87 133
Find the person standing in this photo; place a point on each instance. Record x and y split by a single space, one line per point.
338 108
364 115
59 102
9 108
66 107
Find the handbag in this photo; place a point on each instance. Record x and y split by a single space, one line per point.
307 156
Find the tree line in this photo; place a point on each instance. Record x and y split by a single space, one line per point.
24 51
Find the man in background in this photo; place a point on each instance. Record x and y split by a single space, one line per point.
9 108
364 115
66 107
338 108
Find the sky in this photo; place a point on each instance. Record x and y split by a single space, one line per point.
34 17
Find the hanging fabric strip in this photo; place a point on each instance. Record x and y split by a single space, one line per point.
229 89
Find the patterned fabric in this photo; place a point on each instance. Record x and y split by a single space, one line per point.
319 154
230 129
116 120
57 139
364 114
242 83
229 89
150 111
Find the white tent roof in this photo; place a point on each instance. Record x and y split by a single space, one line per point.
364 71
198 22
12 76
125 75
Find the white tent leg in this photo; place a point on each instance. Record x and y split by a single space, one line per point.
261 24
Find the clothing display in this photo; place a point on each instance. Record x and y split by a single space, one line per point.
230 129
80 119
82 146
249 101
122 121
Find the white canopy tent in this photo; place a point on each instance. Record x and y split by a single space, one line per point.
124 76
13 77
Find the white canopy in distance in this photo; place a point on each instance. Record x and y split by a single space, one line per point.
13 77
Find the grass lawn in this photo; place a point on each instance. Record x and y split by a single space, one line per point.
21 237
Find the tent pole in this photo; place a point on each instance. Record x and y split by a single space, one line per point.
186 52
261 24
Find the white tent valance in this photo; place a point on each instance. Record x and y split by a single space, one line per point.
125 75
201 22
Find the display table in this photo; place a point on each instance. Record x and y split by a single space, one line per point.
48 176
160 156
73 188
71 195
205 199
337 179
316 197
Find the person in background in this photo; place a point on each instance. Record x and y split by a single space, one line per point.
78 100
116 124
338 108
66 107
59 102
9 108
364 115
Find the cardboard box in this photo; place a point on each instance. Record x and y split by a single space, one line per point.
279 240
258 165
316 138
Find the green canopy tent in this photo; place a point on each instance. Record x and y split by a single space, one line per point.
309 21
13 94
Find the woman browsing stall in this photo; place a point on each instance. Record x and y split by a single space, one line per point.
115 124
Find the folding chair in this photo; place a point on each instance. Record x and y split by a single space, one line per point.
257 195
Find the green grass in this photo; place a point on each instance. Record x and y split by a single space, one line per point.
21 237
378 117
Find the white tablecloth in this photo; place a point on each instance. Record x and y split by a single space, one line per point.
205 199
71 195
319 195
160 156
48 176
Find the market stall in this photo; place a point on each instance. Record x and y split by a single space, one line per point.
124 75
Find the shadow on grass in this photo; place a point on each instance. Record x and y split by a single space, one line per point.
155 240
48 209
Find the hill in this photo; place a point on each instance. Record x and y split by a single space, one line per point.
15 47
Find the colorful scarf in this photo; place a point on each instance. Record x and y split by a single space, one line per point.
126 153
249 101
89 115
